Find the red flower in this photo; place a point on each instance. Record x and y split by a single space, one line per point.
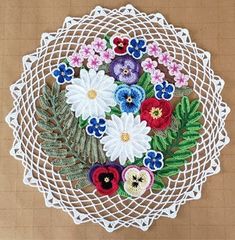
120 45
157 113
105 178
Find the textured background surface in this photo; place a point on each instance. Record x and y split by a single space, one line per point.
23 214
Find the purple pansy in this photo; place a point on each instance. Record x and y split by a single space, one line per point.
125 69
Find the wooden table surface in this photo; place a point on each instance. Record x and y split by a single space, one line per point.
23 214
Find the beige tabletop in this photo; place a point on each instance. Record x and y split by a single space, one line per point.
23 214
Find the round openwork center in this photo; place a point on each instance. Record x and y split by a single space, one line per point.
156 113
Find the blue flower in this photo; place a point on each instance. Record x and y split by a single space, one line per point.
153 160
164 90
129 98
137 47
63 73
96 127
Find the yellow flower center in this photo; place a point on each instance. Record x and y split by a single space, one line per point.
120 45
125 137
106 179
92 94
129 99
155 113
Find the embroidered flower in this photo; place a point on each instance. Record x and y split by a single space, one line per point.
99 45
137 180
181 80
96 127
149 65
174 68
129 97
153 49
75 60
86 51
92 94
63 73
157 77
157 113
153 160
137 47
119 44
165 59
105 177
164 90
107 55
126 138
94 62
125 69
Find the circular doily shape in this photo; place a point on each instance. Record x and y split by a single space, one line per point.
115 212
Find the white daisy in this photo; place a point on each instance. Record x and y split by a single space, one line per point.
126 138
92 94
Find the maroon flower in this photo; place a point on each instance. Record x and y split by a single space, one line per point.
105 177
120 45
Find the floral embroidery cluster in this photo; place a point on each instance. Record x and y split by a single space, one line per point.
119 111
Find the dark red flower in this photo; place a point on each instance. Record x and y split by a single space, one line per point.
120 45
157 113
105 178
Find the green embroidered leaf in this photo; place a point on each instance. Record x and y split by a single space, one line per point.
82 182
158 183
115 110
145 82
186 144
168 171
62 138
195 116
56 153
178 111
185 104
107 39
159 143
66 62
196 126
65 162
122 192
193 135
175 162
82 123
182 154
194 105
180 92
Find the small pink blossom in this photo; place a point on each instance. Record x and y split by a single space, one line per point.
153 49
165 58
149 65
99 45
94 62
181 80
86 51
157 77
174 68
75 60
107 55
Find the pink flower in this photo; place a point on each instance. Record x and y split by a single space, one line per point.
99 45
181 80
157 77
165 59
75 60
86 51
149 65
153 49
94 62
174 68
107 55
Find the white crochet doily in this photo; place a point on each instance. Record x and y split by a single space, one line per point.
115 212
